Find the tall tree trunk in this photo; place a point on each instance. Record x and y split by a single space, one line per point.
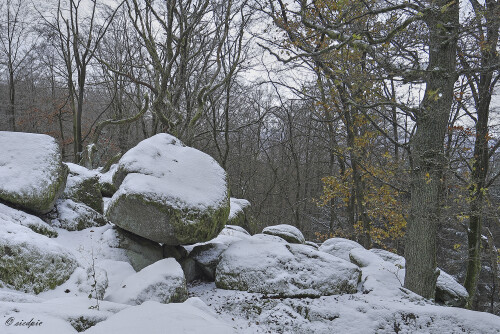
11 114
427 149
481 152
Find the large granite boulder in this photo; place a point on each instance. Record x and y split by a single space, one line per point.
32 175
169 193
32 262
163 281
286 270
83 186
288 232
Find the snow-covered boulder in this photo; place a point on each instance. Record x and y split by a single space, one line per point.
163 281
169 193
139 251
73 216
154 318
284 269
238 213
22 218
32 262
32 175
288 232
339 247
449 291
83 187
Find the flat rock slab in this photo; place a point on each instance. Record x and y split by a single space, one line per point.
32 175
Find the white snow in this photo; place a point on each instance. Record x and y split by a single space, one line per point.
283 269
339 247
237 206
287 232
159 281
22 218
162 169
155 318
27 163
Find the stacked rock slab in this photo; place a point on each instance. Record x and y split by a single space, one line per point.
32 175
169 193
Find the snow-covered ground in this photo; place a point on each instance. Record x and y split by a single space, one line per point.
72 306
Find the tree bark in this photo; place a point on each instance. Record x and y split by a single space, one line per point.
427 149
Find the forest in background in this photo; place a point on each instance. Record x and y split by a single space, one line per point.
372 120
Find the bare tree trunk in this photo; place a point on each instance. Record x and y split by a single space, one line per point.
427 150
481 150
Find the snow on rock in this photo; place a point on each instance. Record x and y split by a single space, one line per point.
339 247
206 255
378 276
389 257
237 206
163 281
235 231
238 214
288 232
32 175
22 218
252 313
269 238
32 262
73 216
154 318
83 187
169 193
312 244
449 291
57 315
108 188
284 269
